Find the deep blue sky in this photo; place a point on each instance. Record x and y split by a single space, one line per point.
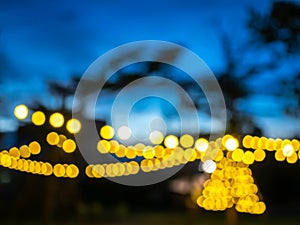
52 40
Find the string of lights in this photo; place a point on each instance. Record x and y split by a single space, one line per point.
226 159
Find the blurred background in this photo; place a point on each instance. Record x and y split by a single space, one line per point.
252 47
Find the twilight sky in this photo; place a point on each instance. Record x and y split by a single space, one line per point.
52 40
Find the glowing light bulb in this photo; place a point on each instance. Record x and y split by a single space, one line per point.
107 132
59 170
259 155
171 141
56 120
209 166
186 141
34 148
237 155
73 126
103 146
149 152
52 138
14 152
248 157
72 171
69 146
24 151
231 143
201 145
21 112
288 150
156 137
38 118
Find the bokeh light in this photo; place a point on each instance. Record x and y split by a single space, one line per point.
248 158
72 171
259 155
124 133
59 170
69 146
14 152
237 155
103 146
38 118
230 143
107 132
149 152
156 137
73 126
171 141
201 145
21 112
52 138
288 150
61 141
56 120
24 151
34 148
186 141
209 166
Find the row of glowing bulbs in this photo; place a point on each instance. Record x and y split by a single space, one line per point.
16 159
285 149
56 119
230 175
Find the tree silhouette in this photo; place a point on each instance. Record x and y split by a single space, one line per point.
280 25
278 32
62 91
234 86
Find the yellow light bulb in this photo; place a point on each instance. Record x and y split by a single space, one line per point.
171 141
14 152
89 171
107 132
21 112
293 158
72 171
159 151
38 118
114 146
201 145
52 138
34 148
48 169
248 158
103 146
5 160
231 143
24 151
279 155
237 155
186 141
148 153
56 120
259 155
59 170
73 126
288 150
69 146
